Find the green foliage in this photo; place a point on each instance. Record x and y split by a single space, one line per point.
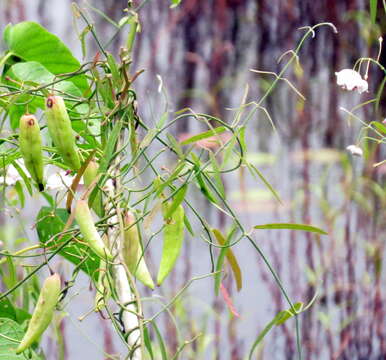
30 41
104 122
11 334
50 224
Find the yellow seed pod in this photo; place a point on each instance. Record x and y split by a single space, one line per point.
60 129
42 315
30 141
88 230
133 252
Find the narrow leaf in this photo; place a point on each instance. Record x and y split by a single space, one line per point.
373 10
279 319
204 135
178 199
288 226
230 257
228 300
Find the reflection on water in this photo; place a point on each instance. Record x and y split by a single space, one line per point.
203 52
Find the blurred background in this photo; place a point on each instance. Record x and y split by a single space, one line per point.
203 50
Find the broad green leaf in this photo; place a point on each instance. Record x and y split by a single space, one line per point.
173 238
288 226
7 310
230 257
204 135
32 42
36 73
20 104
11 334
51 222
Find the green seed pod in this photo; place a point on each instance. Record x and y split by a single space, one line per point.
173 239
42 315
88 230
89 176
30 141
59 127
133 253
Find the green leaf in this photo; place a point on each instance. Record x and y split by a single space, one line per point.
20 193
175 3
36 73
288 226
23 176
51 222
147 341
161 342
179 197
379 126
373 10
254 171
160 186
11 334
173 239
217 175
279 319
31 42
204 135
230 257
7 310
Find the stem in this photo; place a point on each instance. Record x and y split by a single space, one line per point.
128 299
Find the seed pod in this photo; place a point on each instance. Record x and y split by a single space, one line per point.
59 127
133 252
42 315
88 230
89 176
30 141
173 239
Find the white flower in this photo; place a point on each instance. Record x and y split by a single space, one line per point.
12 175
355 150
349 79
60 180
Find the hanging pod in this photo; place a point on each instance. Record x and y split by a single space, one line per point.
30 142
133 253
42 315
88 230
60 129
173 238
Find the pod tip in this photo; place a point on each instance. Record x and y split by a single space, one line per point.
41 187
